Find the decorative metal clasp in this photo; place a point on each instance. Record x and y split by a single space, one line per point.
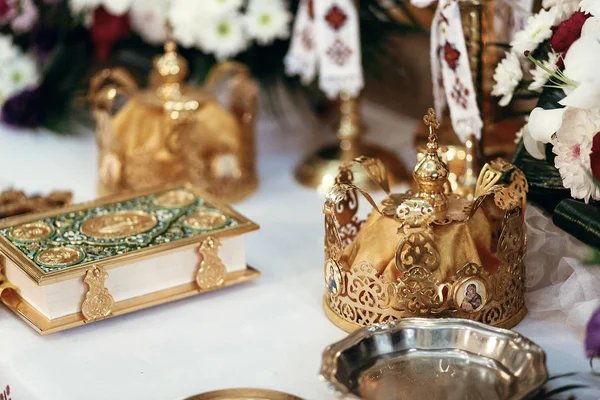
211 270
5 284
98 302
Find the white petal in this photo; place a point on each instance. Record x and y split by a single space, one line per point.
535 148
505 100
591 6
544 123
591 27
117 7
582 59
586 96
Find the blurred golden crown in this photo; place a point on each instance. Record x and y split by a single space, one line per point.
426 254
174 131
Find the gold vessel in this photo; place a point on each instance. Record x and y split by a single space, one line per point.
176 132
431 253
319 169
244 394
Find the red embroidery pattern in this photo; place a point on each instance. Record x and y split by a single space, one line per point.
307 39
5 395
460 93
451 55
444 19
336 17
311 9
339 52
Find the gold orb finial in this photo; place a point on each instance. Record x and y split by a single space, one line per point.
170 66
170 72
431 173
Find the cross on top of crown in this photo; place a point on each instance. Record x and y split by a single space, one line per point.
433 124
430 120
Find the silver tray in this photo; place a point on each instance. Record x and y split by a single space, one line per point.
434 359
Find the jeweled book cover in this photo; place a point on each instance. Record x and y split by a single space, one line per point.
143 244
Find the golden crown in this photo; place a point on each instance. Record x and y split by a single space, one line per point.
426 254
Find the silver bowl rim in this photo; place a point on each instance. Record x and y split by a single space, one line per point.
333 351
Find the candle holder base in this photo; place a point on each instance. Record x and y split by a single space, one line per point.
318 171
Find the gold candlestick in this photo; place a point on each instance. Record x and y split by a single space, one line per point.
319 170
479 19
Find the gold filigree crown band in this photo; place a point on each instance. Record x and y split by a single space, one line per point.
428 254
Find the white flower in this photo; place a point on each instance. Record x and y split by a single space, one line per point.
115 7
7 49
507 76
17 75
572 146
149 18
543 124
536 31
535 148
224 36
219 8
581 67
185 17
519 134
541 75
563 9
591 27
591 6
583 90
267 20
23 72
78 6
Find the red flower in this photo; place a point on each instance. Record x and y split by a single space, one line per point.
106 31
567 32
4 8
595 156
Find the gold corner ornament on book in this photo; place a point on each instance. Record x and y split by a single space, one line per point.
427 254
84 263
173 131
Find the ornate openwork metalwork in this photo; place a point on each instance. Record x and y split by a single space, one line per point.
427 276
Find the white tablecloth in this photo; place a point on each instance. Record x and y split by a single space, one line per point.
268 333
